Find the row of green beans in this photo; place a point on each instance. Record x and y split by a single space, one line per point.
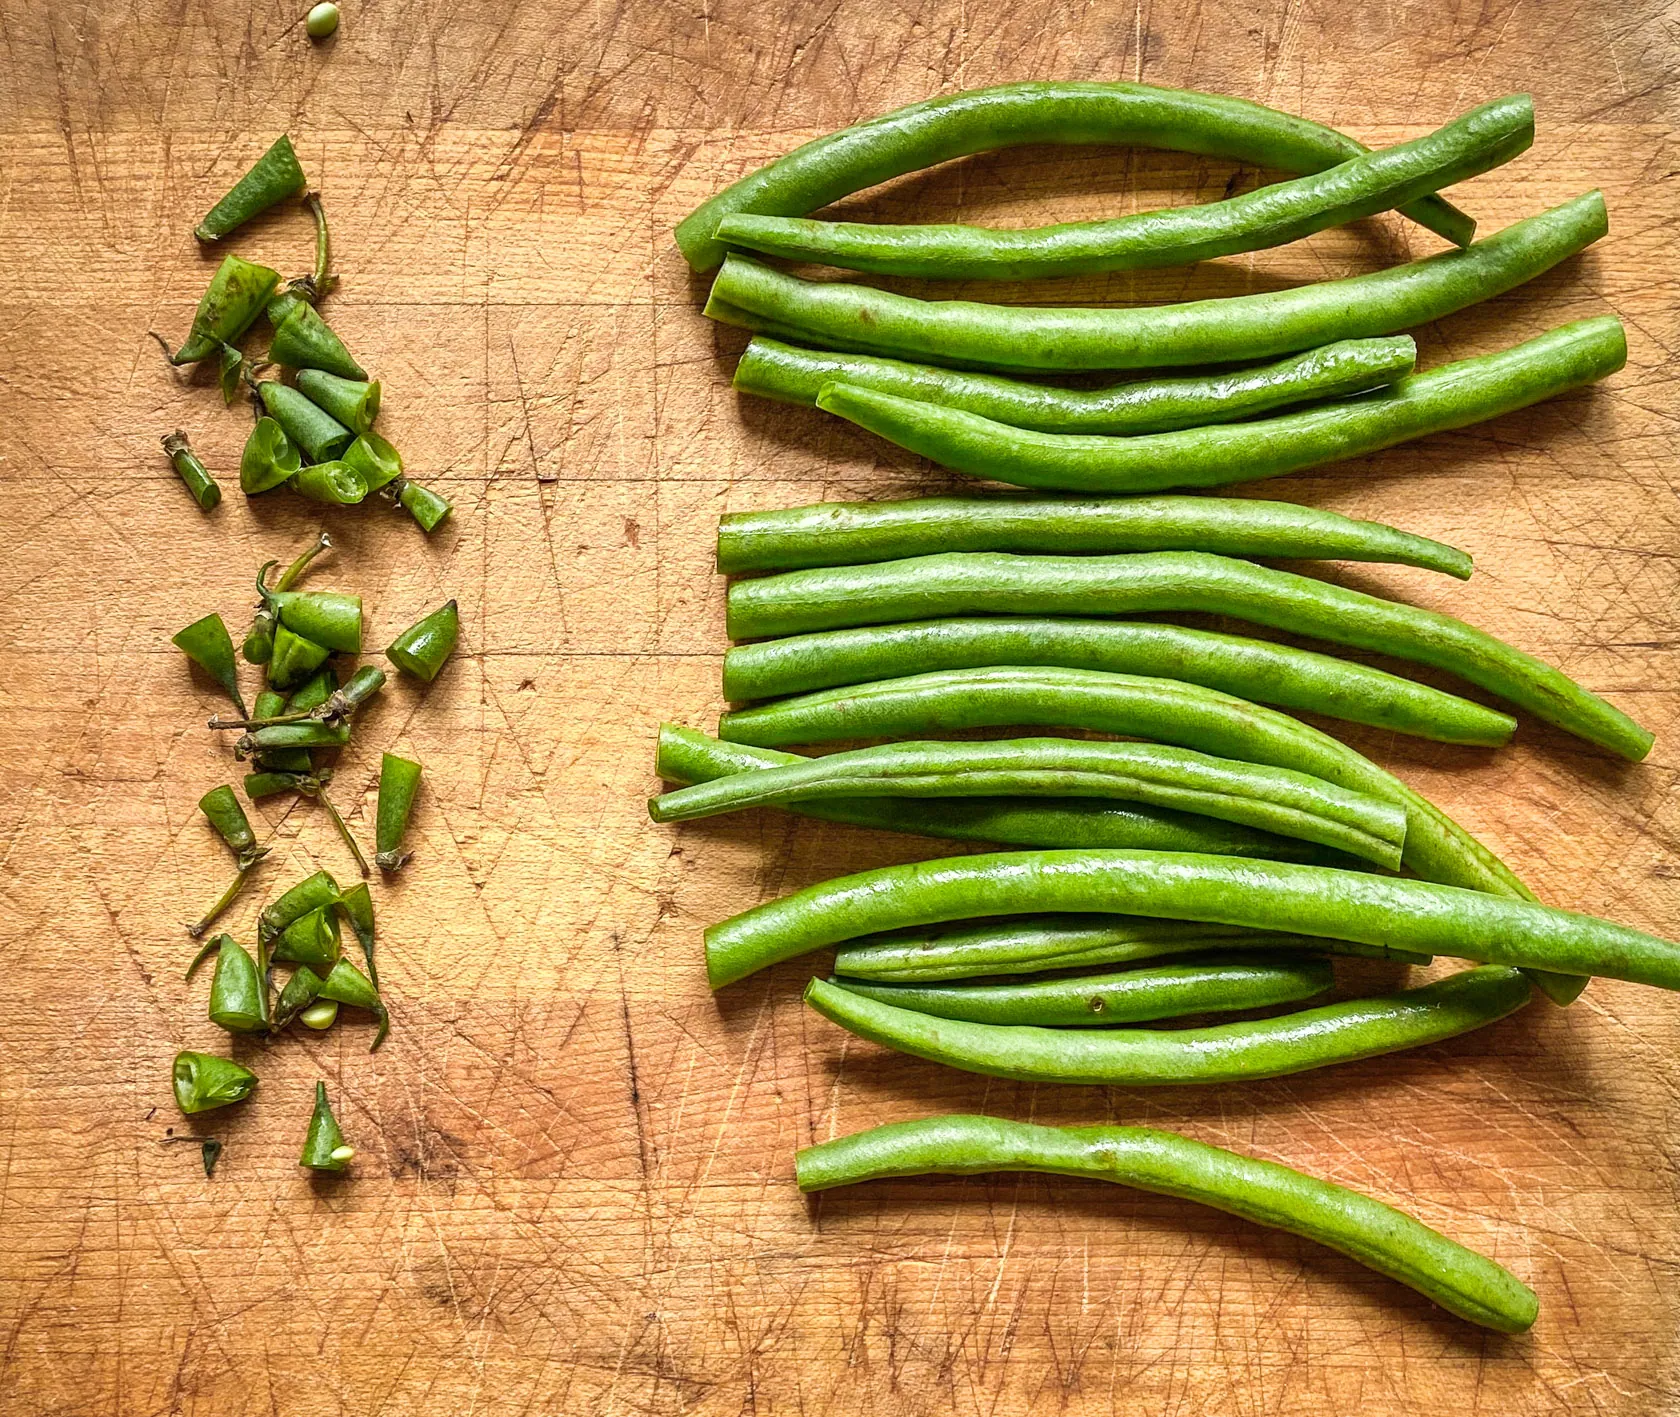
904 622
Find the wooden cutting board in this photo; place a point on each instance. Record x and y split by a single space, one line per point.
574 1184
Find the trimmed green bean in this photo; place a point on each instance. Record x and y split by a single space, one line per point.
1362 186
1025 944
1453 396
1365 1230
321 436
686 756
841 315
1010 115
1262 895
1273 799
1211 984
967 583
851 533
789 374
1343 1032
274 176
1258 670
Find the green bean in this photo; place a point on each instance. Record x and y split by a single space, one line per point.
1273 799
850 533
687 756
1212 984
1258 670
1365 1230
1262 895
1453 396
274 176
1343 1032
1272 216
967 583
774 370
1024 944
982 120
840 315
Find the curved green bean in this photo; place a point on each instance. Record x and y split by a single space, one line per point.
850 533
789 374
841 315
967 583
1258 670
1273 799
1262 895
1365 1230
686 756
1024 944
1298 1042
1211 984
1362 186
982 120
1453 396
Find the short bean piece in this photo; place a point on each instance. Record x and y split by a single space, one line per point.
1365 1230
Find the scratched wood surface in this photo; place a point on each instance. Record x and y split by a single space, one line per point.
574 1188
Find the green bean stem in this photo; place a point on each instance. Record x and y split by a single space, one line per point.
1279 800
1262 895
1365 1230
1258 670
1025 944
1010 115
850 533
1362 186
1453 396
1213 984
841 315
966 583
686 756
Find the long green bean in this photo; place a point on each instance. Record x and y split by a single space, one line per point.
1210 984
1263 895
1272 216
1023 944
1365 1230
841 315
982 120
967 583
789 374
1258 670
850 533
1279 800
1297 1042
1453 396
686 756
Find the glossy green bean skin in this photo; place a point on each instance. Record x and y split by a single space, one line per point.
968 583
687 756
1273 799
1164 710
852 533
1343 1032
1211 984
790 374
1024 944
1272 216
1261 895
841 315
1453 396
1365 1230
1258 670
1009 115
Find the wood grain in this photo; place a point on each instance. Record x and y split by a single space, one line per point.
574 1189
